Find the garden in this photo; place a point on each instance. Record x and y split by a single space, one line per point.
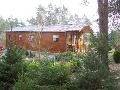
66 71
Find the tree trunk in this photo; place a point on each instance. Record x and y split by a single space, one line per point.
103 27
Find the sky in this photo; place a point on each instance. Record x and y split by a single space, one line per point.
25 9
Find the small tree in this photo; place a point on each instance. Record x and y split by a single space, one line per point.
11 66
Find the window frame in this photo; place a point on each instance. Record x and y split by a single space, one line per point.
86 38
70 38
32 38
20 37
80 38
55 38
10 37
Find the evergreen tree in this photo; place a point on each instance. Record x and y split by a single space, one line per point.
11 66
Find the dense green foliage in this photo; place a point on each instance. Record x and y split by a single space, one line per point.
116 56
82 71
11 66
114 38
47 75
94 74
67 56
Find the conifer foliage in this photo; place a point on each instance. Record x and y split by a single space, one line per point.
11 66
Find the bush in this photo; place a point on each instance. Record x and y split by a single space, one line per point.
81 72
11 66
94 75
29 54
53 74
24 83
47 75
26 53
67 56
116 56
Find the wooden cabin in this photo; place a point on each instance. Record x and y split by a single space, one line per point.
53 38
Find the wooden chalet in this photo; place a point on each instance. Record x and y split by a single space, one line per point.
53 38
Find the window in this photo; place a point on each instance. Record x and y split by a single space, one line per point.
31 37
70 38
20 37
86 38
55 38
80 38
10 38
75 39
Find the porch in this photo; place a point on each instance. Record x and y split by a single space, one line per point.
77 41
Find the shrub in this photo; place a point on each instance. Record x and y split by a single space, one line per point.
78 72
116 56
24 83
109 48
46 75
94 75
56 74
26 53
73 65
29 54
11 66
67 56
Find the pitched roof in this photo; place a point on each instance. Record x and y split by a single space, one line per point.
50 28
